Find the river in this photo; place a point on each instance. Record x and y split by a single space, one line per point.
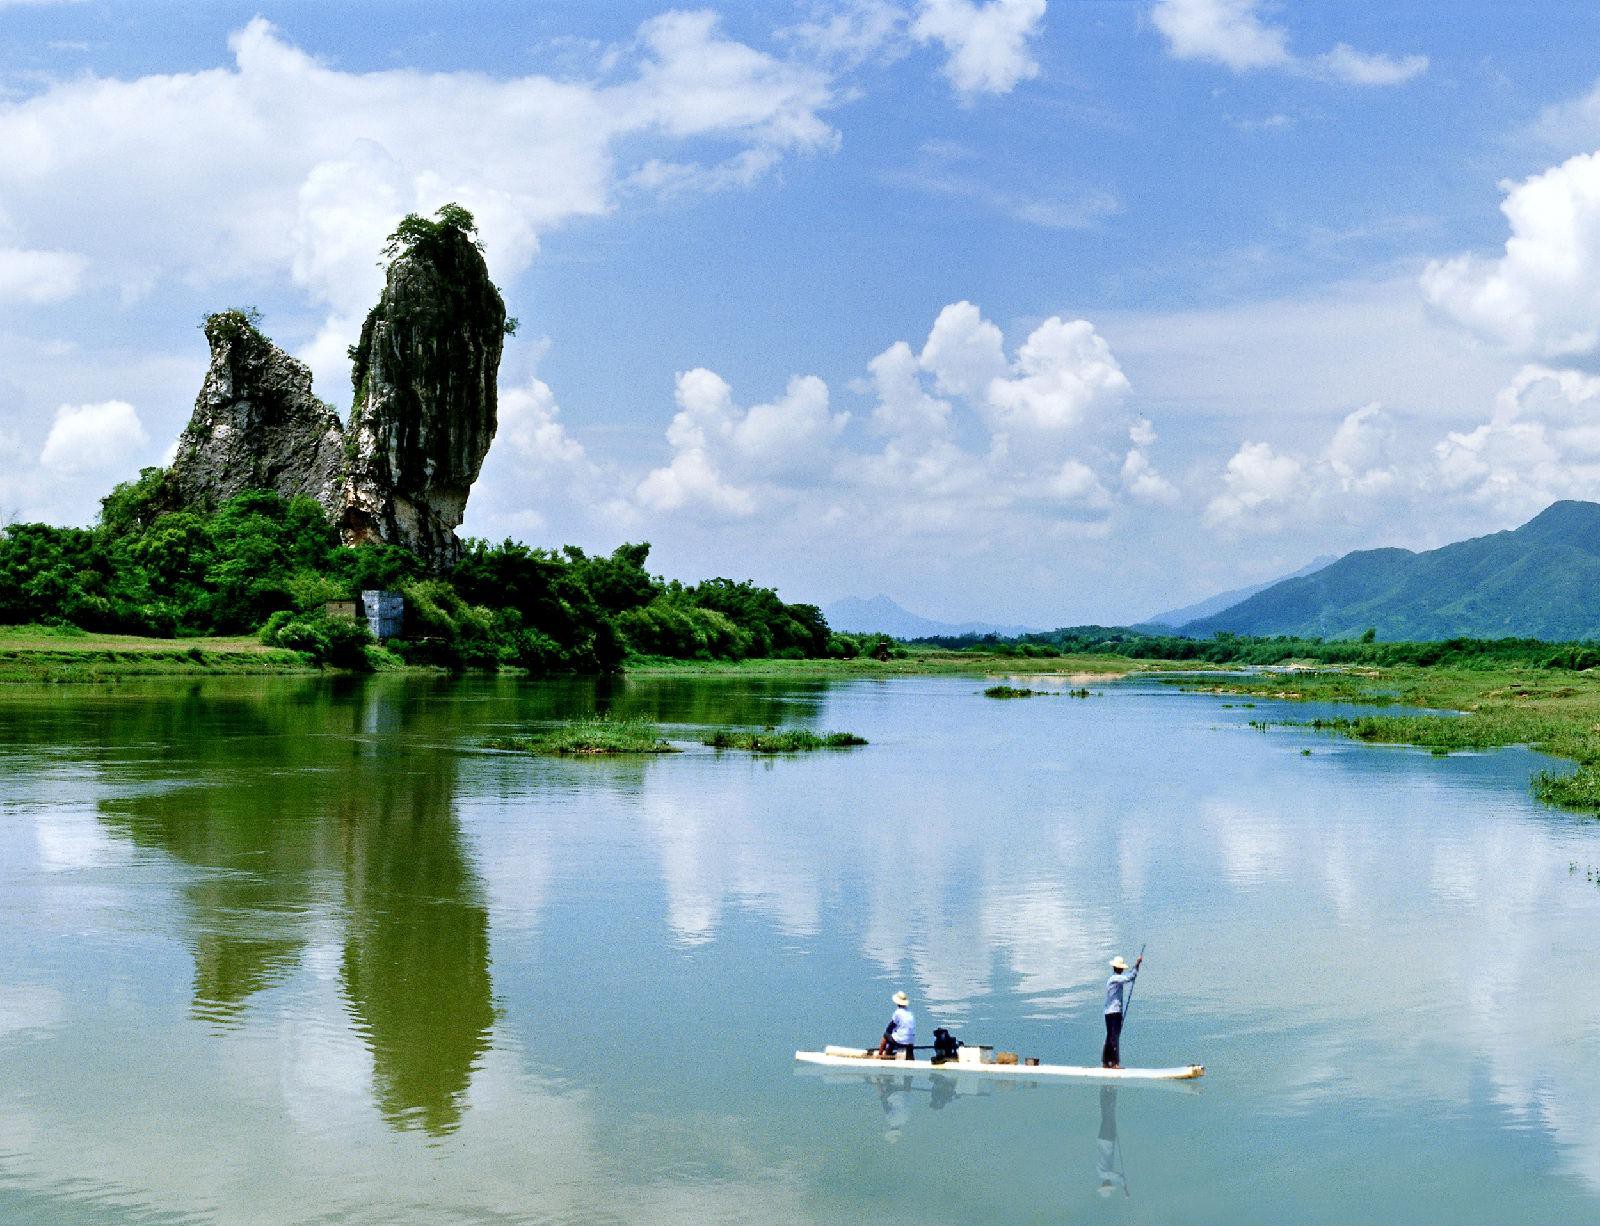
285 950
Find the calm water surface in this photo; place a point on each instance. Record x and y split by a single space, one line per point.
293 950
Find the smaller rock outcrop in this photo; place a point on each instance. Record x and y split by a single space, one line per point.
256 425
426 406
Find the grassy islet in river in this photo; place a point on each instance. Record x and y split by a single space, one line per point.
590 738
1492 708
783 740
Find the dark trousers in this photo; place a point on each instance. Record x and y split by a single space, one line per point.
1111 1053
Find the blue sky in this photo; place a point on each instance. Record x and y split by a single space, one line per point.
1043 312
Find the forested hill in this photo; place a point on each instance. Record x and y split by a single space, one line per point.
1541 580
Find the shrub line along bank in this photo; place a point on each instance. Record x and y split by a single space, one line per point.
261 563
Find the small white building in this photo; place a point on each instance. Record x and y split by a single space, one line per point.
385 612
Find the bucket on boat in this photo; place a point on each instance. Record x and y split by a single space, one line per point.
975 1053
1005 1057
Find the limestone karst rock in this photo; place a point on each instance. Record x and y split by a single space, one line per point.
256 425
425 407
425 398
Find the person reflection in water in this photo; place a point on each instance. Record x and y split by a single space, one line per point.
1108 1154
894 1096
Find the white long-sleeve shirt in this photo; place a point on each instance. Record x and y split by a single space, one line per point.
1116 989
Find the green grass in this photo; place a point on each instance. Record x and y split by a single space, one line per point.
590 738
1011 691
917 661
783 740
1558 714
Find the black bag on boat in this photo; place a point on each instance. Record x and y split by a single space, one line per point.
945 1045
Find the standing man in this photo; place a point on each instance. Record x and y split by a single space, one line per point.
1116 995
900 1035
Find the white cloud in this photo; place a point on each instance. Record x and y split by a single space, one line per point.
1542 295
1228 32
530 422
854 33
94 438
1139 475
1541 443
1370 68
1045 418
280 166
1233 34
905 410
1256 477
1061 370
987 42
38 277
721 451
964 352
1353 480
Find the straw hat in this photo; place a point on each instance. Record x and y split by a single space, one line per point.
901 999
1117 963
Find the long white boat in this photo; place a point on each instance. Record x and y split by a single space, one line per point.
865 1061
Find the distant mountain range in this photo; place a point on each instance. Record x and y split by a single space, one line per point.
1177 618
880 615
1541 580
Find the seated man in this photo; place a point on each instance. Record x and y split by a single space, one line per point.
900 1035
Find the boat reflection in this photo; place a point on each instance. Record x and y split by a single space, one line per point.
896 1095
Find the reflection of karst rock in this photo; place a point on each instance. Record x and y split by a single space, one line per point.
425 404
256 425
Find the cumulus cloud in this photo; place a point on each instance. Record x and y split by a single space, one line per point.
1256 477
1232 33
1062 369
720 451
968 436
1541 443
1541 296
1353 478
1139 475
95 438
987 42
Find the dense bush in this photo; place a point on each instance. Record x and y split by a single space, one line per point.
338 641
262 563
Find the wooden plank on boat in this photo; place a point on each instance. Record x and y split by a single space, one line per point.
863 1060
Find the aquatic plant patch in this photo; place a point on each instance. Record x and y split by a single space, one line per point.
783 740
590 738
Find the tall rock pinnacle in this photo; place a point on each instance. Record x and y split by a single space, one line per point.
425 406
256 425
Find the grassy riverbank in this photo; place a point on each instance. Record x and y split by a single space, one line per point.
1557 712
915 661
63 654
